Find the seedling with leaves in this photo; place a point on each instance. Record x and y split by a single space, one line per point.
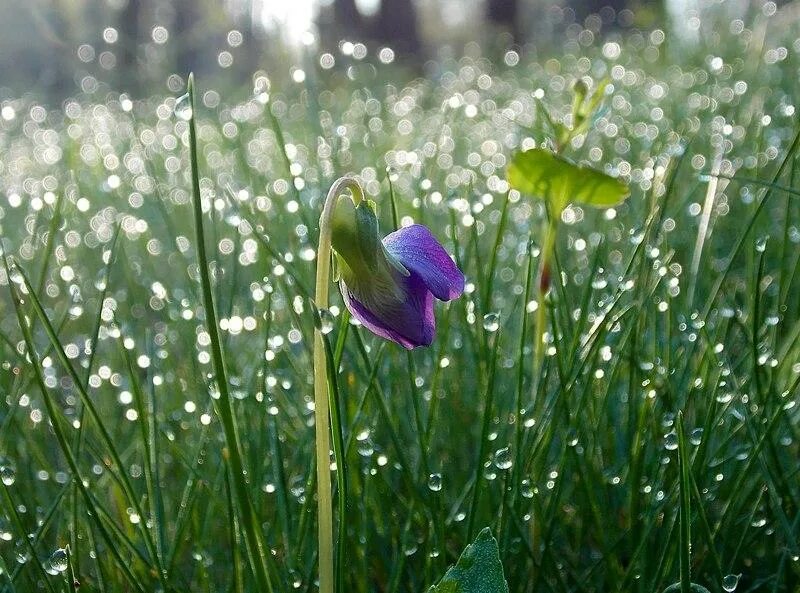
559 182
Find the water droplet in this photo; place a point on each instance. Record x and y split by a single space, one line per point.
761 244
491 322
365 448
599 283
261 90
409 544
435 482
527 489
696 437
5 531
572 437
730 582
22 554
8 474
325 321
671 441
57 563
183 107
502 458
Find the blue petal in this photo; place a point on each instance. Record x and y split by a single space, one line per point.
420 253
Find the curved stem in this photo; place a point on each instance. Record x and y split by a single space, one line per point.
321 410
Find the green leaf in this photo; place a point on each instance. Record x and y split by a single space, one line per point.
559 182
477 571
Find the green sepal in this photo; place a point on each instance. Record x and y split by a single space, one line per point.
355 237
336 273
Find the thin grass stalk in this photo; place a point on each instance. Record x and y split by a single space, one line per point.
339 454
121 476
685 509
59 433
256 549
482 445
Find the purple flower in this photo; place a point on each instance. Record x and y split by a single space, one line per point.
389 285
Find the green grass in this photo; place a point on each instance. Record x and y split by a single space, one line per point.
158 420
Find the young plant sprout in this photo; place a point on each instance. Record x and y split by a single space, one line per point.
559 182
389 285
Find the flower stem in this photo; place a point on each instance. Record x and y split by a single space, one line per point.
543 286
321 402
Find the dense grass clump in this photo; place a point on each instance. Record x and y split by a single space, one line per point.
684 299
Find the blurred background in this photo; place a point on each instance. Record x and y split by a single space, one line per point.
54 49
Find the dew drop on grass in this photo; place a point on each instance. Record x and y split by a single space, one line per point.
57 563
183 107
365 448
761 244
502 458
409 544
8 474
491 322
730 582
325 321
572 437
671 441
527 489
22 555
696 437
435 482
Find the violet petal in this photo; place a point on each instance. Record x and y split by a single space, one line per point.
419 251
410 322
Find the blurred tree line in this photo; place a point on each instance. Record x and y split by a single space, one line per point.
57 48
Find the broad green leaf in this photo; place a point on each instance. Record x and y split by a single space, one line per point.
541 173
477 571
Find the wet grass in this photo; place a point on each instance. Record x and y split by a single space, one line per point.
140 373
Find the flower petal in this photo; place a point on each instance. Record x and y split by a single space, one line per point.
409 322
419 251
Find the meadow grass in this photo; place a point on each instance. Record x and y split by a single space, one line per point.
157 431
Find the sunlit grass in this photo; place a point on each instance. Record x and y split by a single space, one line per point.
111 446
